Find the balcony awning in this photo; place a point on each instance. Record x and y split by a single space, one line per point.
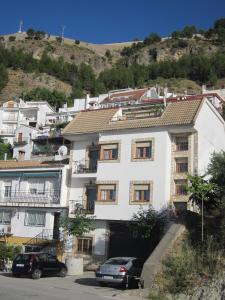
29 175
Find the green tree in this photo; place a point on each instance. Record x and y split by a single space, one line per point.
30 33
145 221
9 251
5 148
152 39
3 76
79 224
220 23
54 98
12 38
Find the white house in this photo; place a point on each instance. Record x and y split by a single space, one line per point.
126 159
33 196
13 114
23 142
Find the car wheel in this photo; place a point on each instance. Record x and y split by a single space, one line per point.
36 274
62 272
102 284
132 283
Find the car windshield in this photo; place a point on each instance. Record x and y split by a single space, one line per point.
22 258
117 261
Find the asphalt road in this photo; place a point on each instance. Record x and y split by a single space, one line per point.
53 288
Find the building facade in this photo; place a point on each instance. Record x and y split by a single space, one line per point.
124 160
33 196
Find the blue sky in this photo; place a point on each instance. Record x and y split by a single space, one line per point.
105 21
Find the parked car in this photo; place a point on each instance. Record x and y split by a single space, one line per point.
38 264
125 271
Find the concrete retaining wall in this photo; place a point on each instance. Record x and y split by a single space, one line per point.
154 263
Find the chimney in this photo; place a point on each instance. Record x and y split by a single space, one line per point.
203 88
87 99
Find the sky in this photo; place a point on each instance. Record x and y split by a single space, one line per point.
108 21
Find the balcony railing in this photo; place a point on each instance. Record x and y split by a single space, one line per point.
10 118
85 166
35 196
19 141
79 206
7 131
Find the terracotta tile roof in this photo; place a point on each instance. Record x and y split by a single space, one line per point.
92 121
179 98
132 95
12 164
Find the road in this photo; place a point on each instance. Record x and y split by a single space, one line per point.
54 288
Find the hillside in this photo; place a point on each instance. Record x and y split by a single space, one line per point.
21 82
186 60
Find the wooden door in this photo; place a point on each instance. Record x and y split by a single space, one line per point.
20 137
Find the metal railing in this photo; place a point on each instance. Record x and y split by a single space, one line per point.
85 166
7 131
10 118
79 206
19 141
36 196
43 236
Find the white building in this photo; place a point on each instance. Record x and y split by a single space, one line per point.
126 159
33 196
14 114
23 142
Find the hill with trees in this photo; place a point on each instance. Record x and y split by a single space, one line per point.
191 54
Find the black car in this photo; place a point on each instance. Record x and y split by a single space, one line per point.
38 264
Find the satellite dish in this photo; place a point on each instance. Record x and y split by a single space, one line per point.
63 150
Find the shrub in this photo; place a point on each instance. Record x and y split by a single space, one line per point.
58 39
9 251
12 38
77 42
180 270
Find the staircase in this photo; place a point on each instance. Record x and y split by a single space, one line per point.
44 241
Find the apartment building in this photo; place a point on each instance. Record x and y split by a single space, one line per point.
33 196
127 159
14 114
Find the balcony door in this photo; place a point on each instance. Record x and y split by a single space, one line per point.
91 193
20 137
93 158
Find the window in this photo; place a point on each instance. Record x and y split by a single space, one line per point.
37 186
182 143
8 190
84 245
109 152
5 217
35 218
143 150
141 193
181 187
107 192
182 165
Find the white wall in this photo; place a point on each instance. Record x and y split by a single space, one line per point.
18 227
127 171
211 135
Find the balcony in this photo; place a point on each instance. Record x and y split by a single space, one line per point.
7 131
10 118
86 167
21 141
80 206
30 197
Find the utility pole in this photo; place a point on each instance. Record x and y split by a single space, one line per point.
62 35
20 26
